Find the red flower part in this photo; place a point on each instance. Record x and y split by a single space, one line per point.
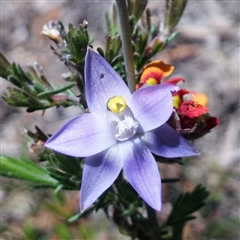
175 80
182 92
192 109
191 117
211 122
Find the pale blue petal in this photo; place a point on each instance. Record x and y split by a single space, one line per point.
99 173
166 142
82 136
152 106
102 83
141 171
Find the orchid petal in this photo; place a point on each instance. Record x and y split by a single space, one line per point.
82 136
166 142
102 83
152 106
99 173
141 170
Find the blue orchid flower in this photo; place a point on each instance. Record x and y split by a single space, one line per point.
120 132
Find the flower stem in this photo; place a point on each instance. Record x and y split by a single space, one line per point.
156 234
126 43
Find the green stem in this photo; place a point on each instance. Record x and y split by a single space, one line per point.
156 235
126 43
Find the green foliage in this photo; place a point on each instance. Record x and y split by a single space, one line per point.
135 11
148 39
30 232
113 45
174 11
77 40
26 170
113 42
5 67
63 231
80 215
64 171
34 91
55 91
64 168
185 205
112 21
113 53
225 228
68 164
59 171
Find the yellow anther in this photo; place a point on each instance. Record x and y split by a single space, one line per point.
116 104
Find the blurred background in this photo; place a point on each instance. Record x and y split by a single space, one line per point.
206 55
